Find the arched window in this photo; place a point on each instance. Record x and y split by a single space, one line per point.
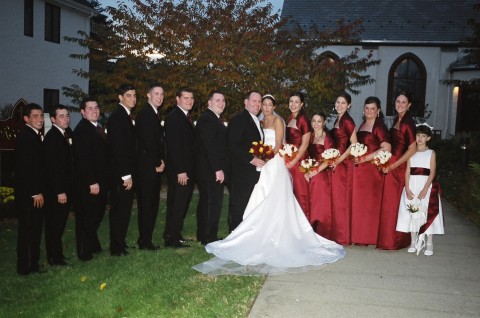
408 74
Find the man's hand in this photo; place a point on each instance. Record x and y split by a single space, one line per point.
95 189
182 178
161 167
62 198
38 201
128 183
219 176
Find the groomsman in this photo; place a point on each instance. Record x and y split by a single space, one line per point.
210 169
121 139
243 129
59 182
91 173
29 190
180 141
150 165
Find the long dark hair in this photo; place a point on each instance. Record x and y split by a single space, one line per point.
302 99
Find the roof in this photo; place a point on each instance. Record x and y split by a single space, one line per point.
390 21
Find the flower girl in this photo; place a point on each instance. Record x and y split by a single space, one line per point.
420 211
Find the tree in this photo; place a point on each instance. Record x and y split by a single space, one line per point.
233 45
472 53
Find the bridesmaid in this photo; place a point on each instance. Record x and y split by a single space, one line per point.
402 137
367 180
320 184
343 134
298 134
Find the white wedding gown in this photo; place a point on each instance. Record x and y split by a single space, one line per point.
274 237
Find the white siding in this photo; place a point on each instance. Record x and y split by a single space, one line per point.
31 64
438 96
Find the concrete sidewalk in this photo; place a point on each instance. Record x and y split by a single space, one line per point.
375 283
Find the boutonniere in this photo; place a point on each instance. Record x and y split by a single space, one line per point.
70 141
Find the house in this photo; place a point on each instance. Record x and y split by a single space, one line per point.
419 45
34 58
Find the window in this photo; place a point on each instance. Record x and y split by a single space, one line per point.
51 97
52 23
407 74
28 18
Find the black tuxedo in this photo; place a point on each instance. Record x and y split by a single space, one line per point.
150 153
59 172
242 131
29 176
180 142
211 156
121 139
91 162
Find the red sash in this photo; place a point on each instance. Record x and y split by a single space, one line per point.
433 201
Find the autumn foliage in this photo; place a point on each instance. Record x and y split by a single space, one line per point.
232 45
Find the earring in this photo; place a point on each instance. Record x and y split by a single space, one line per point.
378 114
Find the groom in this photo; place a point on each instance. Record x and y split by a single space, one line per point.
243 129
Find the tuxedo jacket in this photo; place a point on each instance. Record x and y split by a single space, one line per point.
242 131
180 142
29 168
90 154
58 162
211 146
121 140
150 141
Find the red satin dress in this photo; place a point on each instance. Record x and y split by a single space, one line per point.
321 192
300 184
388 237
367 188
342 183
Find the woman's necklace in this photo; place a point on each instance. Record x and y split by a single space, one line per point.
318 138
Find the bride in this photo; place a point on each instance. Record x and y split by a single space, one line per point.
274 236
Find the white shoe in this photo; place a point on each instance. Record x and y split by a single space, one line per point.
429 250
412 249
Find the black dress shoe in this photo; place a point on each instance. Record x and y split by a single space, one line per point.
149 247
119 253
57 262
184 240
176 244
85 257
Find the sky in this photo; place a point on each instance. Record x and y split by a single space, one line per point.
277 4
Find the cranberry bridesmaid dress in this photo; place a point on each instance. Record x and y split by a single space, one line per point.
388 237
300 184
321 191
367 188
342 182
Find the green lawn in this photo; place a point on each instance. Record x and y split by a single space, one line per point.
142 284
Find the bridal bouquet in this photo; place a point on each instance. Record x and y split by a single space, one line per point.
288 152
330 155
308 165
261 151
357 151
381 159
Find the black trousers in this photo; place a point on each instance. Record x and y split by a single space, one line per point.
30 225
209 209
148 201
240 192
89 212
55 220
178 201
119 216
